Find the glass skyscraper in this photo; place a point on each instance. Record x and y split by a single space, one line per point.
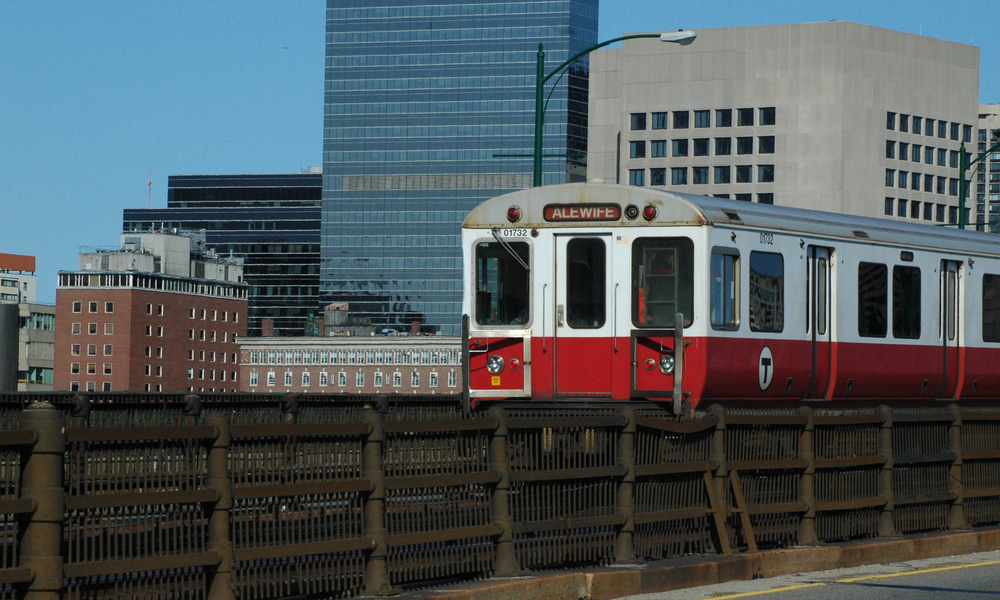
420 97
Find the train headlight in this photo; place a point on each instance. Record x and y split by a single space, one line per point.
494 364
667 364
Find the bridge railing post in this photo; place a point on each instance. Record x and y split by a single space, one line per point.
42 481
220 577
956 513
807 484
373 469
886 524
624 547
721 491
505 562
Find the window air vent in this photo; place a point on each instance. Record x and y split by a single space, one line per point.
860 234
732 216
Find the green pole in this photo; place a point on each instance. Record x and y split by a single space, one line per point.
539 115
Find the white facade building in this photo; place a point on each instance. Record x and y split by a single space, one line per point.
833 116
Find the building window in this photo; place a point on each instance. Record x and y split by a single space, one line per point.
902 179
916 124
109 328
954 131
658 148
723 146
76 329
744 117
92 306
433 378
74 368
659 120
680 119
940 184
888 211
765 144
253 377
702 118
270 378
108 350
91 349
415 379
148 370
953 187
954 159
901 205
109 307
873 294
75 349
397 379
680 147
701 147
915 155
678 176
890 149
904 123
637 149
890 120
929 127
149 309
724 117
766 198
744 145
342 378
452 379
890 177
904 151
915 209
378 379
77 306
638 121
92 328
288 378
324 379
724 291
928 211
159 331
943 129
159 370
305 378
699 175
359 379
658 176
928 183
966 133
915 182
722 174
744 173
765 173
942 157
90 386
637 177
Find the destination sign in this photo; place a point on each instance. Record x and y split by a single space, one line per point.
582 212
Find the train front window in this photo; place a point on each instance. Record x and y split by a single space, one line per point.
502 284
662 281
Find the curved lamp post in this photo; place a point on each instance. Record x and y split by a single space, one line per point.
677 37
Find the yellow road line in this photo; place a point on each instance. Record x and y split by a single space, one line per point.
770 591
919 571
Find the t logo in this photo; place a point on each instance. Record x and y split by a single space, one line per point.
765 368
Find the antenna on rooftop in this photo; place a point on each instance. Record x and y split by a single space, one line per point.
150 187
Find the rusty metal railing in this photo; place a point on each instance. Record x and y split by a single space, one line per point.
183 496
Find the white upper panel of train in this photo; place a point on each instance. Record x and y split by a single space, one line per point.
686 210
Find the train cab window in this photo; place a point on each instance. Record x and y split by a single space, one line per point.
662 281
586 293
767 292
905 302
502 283
725 288
873 297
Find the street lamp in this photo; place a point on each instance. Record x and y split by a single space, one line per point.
677 37
963 185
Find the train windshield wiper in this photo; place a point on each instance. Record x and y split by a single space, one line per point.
509 250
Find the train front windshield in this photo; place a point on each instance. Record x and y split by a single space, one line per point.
502 284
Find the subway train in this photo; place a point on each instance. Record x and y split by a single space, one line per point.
590 292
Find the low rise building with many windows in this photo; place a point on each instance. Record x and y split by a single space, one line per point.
984 177
352 364
159 314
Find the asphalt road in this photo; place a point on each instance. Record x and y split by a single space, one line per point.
967 576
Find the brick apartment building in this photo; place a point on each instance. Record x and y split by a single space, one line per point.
158 314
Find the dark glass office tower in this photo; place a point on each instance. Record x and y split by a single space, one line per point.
271 221
420 96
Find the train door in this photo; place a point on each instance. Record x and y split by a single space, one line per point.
819 311
949 327
584 319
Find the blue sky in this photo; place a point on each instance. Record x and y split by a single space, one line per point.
94 95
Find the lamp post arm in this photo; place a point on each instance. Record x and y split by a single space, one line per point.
583 53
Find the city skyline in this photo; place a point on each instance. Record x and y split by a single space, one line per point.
96 96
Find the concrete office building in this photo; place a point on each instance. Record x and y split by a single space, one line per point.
158 314
419 97
833 116
984 178
18 281
272 222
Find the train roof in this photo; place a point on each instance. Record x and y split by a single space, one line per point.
688 209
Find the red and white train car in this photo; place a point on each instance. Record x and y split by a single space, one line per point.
573 291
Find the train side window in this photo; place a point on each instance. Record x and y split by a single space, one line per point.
991 308
905 302
725 288
662 281
873 295
586 291
502 283
767 292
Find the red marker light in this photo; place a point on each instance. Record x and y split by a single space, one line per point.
650 363
514 364
649 213
513 214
